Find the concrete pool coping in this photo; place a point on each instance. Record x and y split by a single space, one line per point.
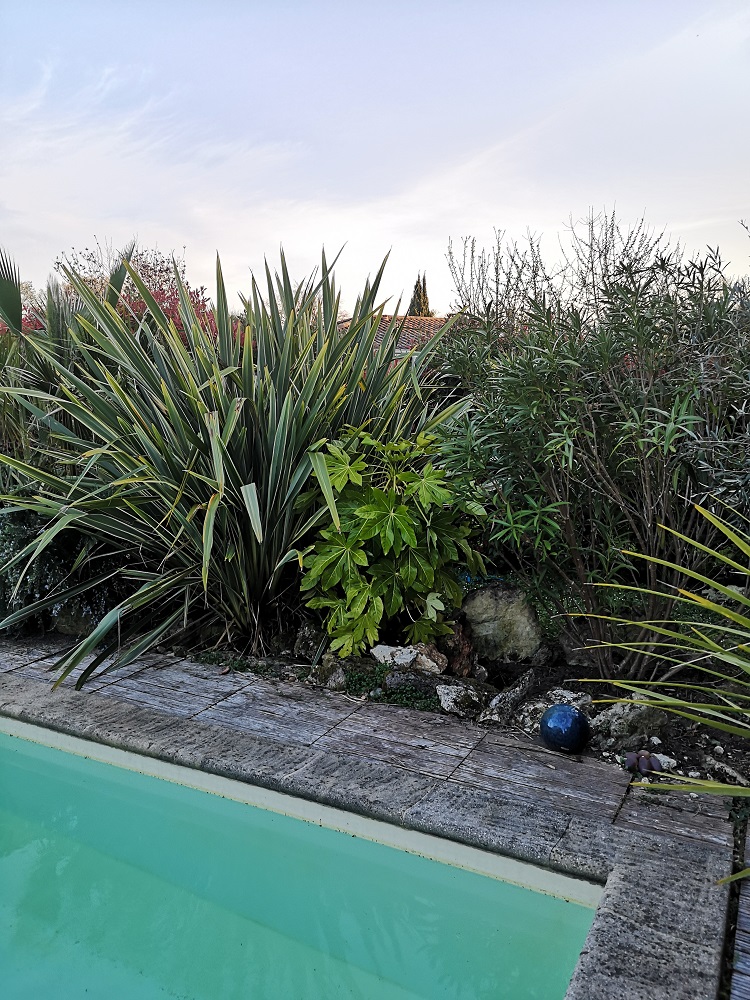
658 931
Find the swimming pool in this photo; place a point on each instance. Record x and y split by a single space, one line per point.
121 884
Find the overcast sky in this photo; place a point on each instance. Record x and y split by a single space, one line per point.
240 126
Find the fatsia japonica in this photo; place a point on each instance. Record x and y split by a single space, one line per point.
397 533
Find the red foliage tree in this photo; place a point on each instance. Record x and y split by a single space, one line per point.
158 271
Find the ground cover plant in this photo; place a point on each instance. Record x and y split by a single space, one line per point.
187 452
607 398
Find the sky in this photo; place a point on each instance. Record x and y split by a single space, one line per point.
388 128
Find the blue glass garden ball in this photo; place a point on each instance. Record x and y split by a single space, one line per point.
564 727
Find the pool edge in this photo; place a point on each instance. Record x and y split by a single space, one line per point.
580 891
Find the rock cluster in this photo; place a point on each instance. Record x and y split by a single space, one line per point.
627 726
460 699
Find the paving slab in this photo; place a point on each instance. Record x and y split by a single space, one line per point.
490 821
741 958
176 688
431 744
43 667
285 712
645 812
527 769
14 654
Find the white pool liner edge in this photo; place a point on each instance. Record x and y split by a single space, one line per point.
497 866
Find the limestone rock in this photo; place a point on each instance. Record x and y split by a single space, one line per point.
74 618
503 705
503 624
459 699
322 671
725 772
400 657
667 763
627 726
430 659
337 680
423 656
414 680
481 673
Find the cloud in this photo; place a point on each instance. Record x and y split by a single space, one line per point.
17 108
657 132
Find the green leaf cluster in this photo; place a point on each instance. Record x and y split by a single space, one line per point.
397 531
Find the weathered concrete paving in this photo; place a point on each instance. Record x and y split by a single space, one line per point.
741 973
658 932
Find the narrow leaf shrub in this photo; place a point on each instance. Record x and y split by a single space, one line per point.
711 636
187 451
596 418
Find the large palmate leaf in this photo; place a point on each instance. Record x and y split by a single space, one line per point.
390 560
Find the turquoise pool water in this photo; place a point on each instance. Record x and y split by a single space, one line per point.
116 885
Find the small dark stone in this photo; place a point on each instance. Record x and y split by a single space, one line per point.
309 643
644 762
413 680
564 727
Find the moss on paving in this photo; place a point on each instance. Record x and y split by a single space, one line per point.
360 681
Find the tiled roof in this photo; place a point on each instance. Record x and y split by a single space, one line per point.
415 331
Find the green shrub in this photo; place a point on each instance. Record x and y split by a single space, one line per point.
596 419
31 330
63 566
710 631
188 451
397 530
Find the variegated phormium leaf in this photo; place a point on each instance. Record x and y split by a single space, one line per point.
191 451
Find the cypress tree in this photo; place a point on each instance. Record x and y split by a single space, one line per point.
419 305
426 311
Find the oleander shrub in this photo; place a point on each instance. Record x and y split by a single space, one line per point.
604 408
164 275
64 568
188 450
